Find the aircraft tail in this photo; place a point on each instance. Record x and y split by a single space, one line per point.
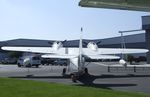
80 49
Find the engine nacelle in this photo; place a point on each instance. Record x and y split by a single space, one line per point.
93 46
57 45
122 62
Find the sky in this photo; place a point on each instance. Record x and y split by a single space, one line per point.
62 19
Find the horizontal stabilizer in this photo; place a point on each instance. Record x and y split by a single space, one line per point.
103 57
65 56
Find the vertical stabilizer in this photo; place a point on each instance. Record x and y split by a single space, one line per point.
80 50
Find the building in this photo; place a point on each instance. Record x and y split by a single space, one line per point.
131 41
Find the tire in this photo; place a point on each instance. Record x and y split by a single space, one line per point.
73 78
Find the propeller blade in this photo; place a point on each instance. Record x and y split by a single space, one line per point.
64 41
50 42
98 42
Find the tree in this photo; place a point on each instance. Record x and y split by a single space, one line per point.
14 54
130 58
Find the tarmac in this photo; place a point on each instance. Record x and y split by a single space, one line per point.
122 79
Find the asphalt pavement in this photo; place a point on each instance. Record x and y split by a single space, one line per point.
122 79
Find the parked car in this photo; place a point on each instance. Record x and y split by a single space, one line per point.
9 61
61 62
45 61
29 61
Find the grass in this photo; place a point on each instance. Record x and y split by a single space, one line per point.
25 88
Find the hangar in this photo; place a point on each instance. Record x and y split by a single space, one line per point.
131 41
114 42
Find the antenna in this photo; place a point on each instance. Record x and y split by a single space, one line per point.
122 43
122 38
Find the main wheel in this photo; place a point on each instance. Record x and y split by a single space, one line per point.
73 78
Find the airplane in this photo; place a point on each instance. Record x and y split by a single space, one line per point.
77 55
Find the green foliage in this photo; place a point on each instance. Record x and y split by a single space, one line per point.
14 54
130 58
26 88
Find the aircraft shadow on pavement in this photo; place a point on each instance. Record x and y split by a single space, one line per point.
88 80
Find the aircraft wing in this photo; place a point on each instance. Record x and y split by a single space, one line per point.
60 56
120 51
33 49
108 51
68 56
86 51
103 57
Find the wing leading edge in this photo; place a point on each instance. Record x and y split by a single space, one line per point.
32 49
86 51
120 51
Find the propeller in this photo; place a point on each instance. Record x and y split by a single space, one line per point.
57 44
98 42
52 42
123 62
64 41
92 45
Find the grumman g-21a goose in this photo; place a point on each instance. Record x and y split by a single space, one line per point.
77 56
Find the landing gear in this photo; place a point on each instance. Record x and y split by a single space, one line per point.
76 75
64 71
74 78
86 71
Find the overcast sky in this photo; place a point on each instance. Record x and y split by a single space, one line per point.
62 19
